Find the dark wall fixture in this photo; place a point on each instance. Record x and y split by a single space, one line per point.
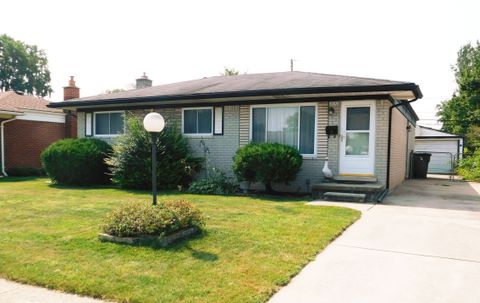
331 131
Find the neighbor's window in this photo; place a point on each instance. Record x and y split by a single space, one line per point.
294 126
197 121
109 123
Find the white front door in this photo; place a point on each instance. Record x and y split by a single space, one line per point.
357 138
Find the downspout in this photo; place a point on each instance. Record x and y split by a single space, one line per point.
2 144
390 110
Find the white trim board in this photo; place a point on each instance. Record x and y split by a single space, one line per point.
42 117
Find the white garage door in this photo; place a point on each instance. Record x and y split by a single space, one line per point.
439 163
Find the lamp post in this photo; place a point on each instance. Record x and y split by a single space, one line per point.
154 123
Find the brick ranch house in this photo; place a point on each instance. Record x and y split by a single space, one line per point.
28 126
370 122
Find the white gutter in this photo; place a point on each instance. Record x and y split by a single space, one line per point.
2 144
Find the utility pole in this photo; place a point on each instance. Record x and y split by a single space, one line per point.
291 65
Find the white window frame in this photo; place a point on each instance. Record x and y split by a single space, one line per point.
94 130
198 135
287 105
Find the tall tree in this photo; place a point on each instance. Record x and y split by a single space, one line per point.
461 113
23 68
114 91
229 72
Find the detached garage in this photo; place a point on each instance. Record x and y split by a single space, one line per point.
445 148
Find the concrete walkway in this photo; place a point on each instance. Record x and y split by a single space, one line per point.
421 245
12 292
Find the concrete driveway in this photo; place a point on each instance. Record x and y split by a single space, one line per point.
421 245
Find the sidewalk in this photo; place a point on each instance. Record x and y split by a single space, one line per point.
12 292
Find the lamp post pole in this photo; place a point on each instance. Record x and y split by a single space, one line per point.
154 124
154 167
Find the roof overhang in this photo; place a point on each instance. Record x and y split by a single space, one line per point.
439 137
5 114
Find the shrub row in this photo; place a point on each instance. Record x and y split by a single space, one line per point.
128 164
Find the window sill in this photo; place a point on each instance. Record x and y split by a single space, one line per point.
198 136
105 136
309 157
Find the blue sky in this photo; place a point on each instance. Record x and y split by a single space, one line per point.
107 44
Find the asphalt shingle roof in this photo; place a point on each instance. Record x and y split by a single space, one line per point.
247 83
12 102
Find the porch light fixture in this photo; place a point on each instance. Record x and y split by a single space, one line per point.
154 124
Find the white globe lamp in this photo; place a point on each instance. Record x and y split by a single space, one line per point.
154 123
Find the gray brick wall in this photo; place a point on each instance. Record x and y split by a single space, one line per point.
80 124
381 140
334 142
222 148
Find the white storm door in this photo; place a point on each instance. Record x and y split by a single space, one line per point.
357 138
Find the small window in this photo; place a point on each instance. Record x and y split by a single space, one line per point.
109 124
197 121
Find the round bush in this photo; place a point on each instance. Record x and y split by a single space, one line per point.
267 163
77 161
131 160
139 219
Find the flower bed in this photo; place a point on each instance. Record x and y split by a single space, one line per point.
162 224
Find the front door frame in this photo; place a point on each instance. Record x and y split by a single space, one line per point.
357 165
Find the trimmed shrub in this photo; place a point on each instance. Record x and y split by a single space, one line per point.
25 172
77 161
469 167
131 160
141 219
267 163
217 183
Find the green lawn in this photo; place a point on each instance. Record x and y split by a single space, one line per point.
252 245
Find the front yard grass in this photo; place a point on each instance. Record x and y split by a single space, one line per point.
251 246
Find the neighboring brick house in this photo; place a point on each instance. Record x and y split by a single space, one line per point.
28 126
369 121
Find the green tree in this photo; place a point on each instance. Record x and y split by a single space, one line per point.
461 114
23 68
113 91
230 72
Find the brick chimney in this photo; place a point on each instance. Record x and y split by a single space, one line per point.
143 82
71 91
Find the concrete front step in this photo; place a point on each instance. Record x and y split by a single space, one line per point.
355 179
350 188
347 197
371 191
